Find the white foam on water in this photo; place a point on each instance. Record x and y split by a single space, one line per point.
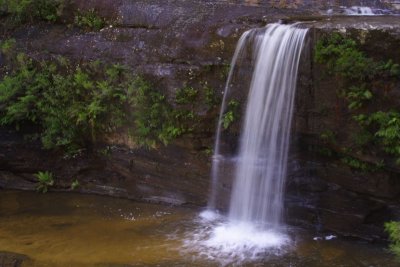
209 215
231 238
232 243
328 237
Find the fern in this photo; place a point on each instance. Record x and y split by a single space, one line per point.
393 229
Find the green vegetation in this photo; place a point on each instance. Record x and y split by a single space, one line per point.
328 136
74 105
25 11
21 11
231 114
75 184
324 151
358 76
357 96
393 229
153 117
7 46
225 71
89 20
361 165
342 57
362 138
211 99
45 180
156 120
186 95
385 128
78 105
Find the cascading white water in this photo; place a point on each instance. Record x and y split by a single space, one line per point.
261 163
253 223
262 160
359 11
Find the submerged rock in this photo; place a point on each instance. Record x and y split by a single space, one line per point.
11 259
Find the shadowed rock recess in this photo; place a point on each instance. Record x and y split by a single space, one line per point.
177 44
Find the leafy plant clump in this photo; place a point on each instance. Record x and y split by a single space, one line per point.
153 116
7 46
45 180
89 20
75 184
231 114
21 11
211 98
342 57
358 75
74 105
78 105
393 229
186 95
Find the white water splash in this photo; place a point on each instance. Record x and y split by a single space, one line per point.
230 243
328 238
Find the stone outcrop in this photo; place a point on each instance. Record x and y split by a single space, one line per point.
9 259
179 43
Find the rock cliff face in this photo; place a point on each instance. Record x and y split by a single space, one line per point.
350 201
187 43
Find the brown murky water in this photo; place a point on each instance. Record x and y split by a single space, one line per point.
64 229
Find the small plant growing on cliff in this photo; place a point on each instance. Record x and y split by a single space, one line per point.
75 184
45 180
328 136
153 116
385 127
355 163
393 229
225 71
49 10
231 115
186 95
357 96
21 11
89 20
211 98
7 46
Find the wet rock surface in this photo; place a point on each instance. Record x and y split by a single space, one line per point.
10 259
178 43
322 188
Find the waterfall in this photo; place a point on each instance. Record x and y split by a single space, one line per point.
261 162
359 11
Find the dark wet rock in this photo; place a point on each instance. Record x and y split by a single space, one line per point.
172 175
322 189
13 181
10 259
